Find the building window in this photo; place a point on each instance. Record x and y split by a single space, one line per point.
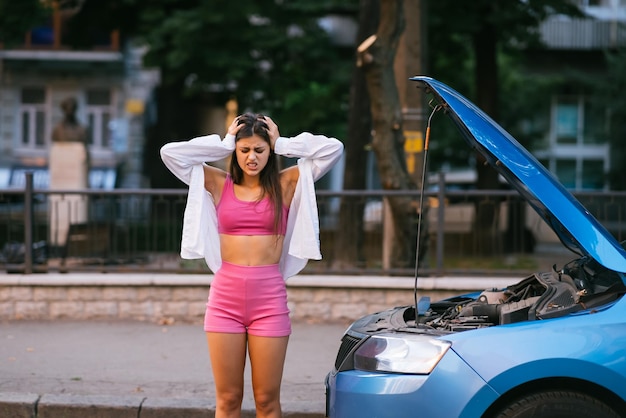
592 176
566 172
566 121
577 121
578 151
33 117
99 112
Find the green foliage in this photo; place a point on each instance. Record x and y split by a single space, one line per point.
18 17
272 56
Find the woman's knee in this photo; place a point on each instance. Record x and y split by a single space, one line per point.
267 402
229 400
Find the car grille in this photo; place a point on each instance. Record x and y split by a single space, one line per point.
348 343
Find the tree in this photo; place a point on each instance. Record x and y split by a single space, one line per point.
273 57
378 55
349 237
18 17
611 90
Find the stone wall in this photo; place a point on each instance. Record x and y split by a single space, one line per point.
168 298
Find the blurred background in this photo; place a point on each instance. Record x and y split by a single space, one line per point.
147 72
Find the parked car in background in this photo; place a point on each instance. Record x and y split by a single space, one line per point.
552 344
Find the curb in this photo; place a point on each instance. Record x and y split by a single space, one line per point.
31 405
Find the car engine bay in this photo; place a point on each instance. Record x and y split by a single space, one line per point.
581 284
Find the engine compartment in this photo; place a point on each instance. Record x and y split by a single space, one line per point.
581 284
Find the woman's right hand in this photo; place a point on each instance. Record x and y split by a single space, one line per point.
234 126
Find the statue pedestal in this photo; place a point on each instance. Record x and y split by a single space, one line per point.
68 171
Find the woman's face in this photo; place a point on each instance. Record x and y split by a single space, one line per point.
252 154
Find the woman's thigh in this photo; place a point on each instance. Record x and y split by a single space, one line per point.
228 360
267 360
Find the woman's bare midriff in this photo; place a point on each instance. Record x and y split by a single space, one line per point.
251 250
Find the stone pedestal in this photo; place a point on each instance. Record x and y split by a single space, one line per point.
68 171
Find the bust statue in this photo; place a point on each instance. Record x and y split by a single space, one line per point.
69 170
69 130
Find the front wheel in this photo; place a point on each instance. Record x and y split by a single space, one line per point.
557 404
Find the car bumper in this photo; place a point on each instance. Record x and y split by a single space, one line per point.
452 390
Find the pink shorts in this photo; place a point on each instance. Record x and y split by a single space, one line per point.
248 299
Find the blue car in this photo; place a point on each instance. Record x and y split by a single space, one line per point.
551 345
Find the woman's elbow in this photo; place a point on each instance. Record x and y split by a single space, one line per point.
165 151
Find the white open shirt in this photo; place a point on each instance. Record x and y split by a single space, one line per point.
200 238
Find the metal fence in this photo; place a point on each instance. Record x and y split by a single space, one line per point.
140 231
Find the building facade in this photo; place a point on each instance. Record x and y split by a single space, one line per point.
111 89
576 146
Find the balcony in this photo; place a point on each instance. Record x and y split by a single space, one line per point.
583 34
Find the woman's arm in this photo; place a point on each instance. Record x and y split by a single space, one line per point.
323 151
180 157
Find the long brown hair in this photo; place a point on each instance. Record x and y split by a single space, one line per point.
254 124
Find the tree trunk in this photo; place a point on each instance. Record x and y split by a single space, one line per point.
348 243
388 138
486 231
175 122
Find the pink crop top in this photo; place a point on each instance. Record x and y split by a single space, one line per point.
238 217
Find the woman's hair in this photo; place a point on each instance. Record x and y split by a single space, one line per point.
254 124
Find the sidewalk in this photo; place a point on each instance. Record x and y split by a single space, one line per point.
139 369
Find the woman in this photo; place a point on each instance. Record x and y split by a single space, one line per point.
255 226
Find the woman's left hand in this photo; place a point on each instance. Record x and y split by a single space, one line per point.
272 130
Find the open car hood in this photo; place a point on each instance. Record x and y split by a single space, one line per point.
574 225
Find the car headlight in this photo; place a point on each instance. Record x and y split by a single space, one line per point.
400 353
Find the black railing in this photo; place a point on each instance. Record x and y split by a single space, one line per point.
140 231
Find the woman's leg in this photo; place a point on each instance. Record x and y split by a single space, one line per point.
267 358
228 360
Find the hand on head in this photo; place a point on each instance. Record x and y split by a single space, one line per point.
272 130
234 127
263 122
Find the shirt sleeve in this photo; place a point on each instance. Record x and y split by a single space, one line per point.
180 157
323 152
